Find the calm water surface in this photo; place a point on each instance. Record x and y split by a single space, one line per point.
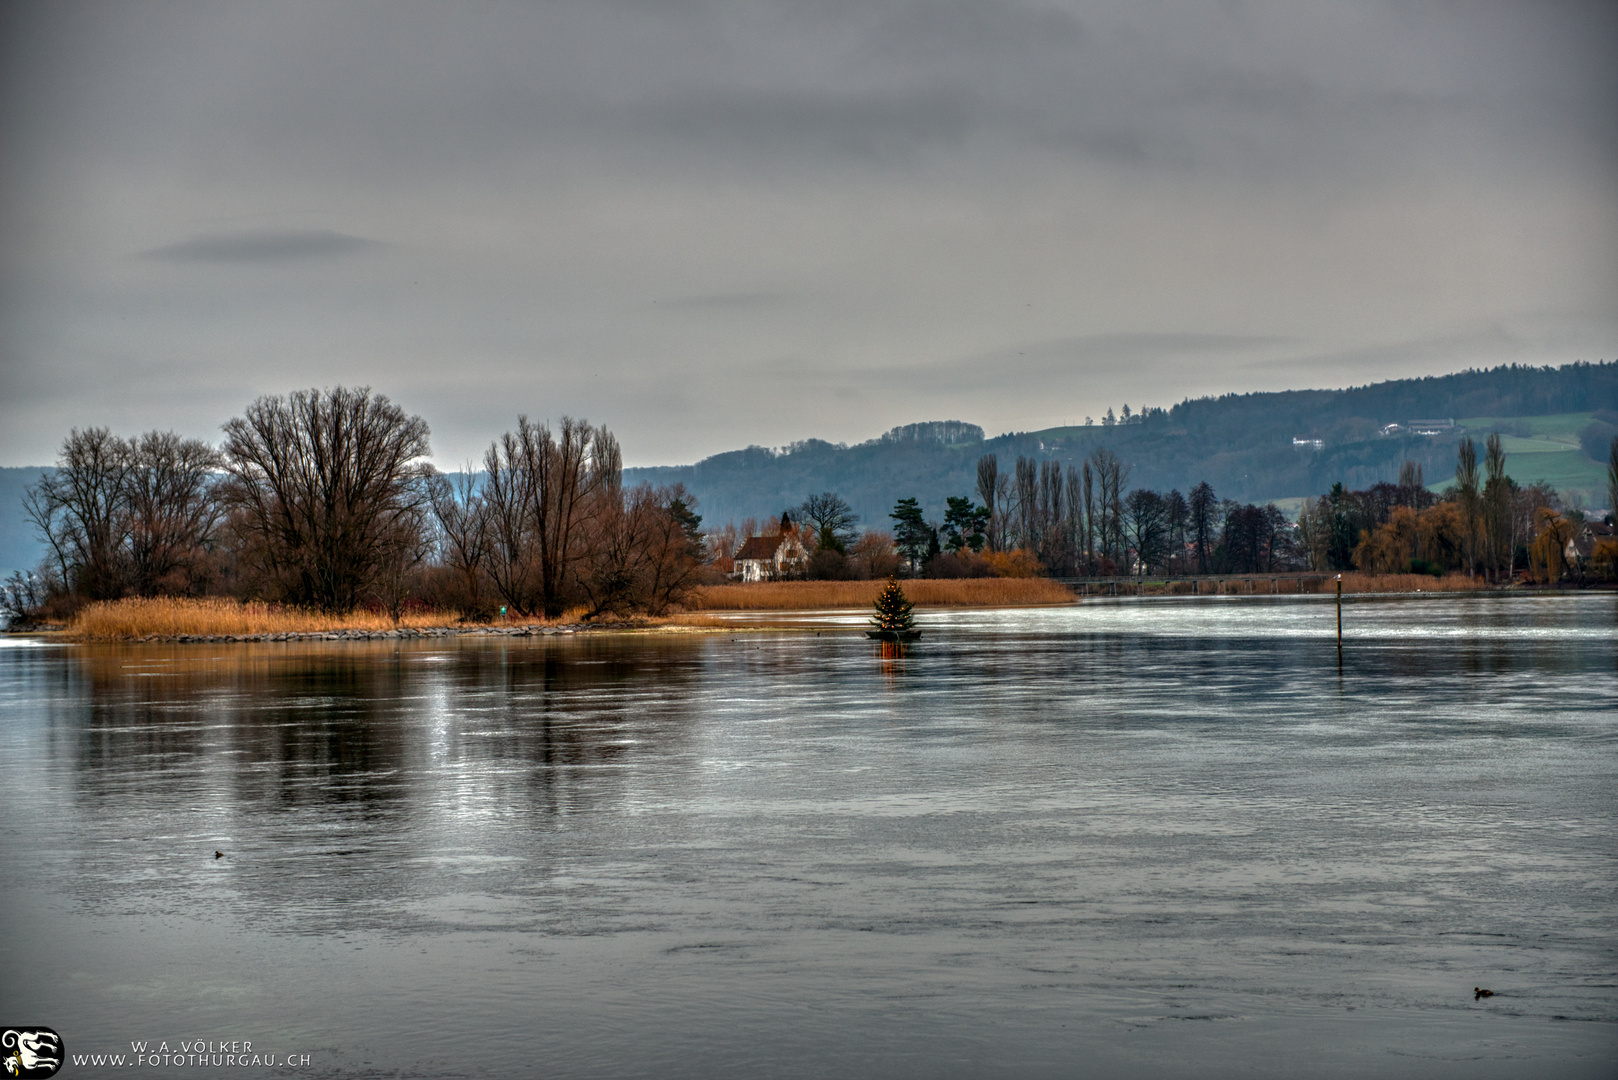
1131 838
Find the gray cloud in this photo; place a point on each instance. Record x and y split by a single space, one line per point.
1058 364
729 300
714 222
287 245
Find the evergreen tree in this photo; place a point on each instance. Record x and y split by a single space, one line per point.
911 534
965 525
894 613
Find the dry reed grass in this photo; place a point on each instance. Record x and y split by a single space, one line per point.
924 592
173 616
1407 583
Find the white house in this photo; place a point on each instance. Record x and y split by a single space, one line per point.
772 558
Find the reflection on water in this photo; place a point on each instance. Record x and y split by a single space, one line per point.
1135 837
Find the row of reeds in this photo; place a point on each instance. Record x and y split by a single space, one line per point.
1403 583
924 592
172 616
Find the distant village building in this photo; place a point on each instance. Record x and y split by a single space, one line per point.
1582 544
772 558
1420 427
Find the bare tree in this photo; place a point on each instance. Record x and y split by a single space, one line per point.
833 520
1050 531
321 482
1467 494
1203 505
1111 475
646 552
1073 530
1496 508
508 491
80 510
988 492
1147 514
577 473
464 533
1089 518
676 549
1027 502
173 514
128 515
1176 518
543 492
404 549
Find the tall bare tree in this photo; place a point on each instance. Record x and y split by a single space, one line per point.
508 492
1497 547
1027 502
1111 474
989 492
1467 494
1091 534
173 514
321 483
1074 521
1203 505
464 533
1052 551
544 491
1176 519
80 510
578 471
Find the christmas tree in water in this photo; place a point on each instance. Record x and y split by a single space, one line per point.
894 614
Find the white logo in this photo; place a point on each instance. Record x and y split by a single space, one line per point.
33 1053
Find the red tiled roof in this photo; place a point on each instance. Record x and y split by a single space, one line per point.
759 547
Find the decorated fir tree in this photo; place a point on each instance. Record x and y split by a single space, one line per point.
894 614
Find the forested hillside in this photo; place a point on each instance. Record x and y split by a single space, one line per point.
1242 444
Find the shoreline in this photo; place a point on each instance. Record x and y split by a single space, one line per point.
732 620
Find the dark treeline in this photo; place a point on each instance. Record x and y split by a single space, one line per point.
1080 521
1085 520
323 499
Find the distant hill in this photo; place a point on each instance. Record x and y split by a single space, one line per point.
1252 447
20 549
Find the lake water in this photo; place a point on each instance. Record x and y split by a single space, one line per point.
1130 838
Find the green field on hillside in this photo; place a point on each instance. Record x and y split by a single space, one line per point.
1559 427
1543 449
1539 450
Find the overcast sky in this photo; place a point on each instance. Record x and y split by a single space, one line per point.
711 224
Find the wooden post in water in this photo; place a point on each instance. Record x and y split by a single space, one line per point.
1339 622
